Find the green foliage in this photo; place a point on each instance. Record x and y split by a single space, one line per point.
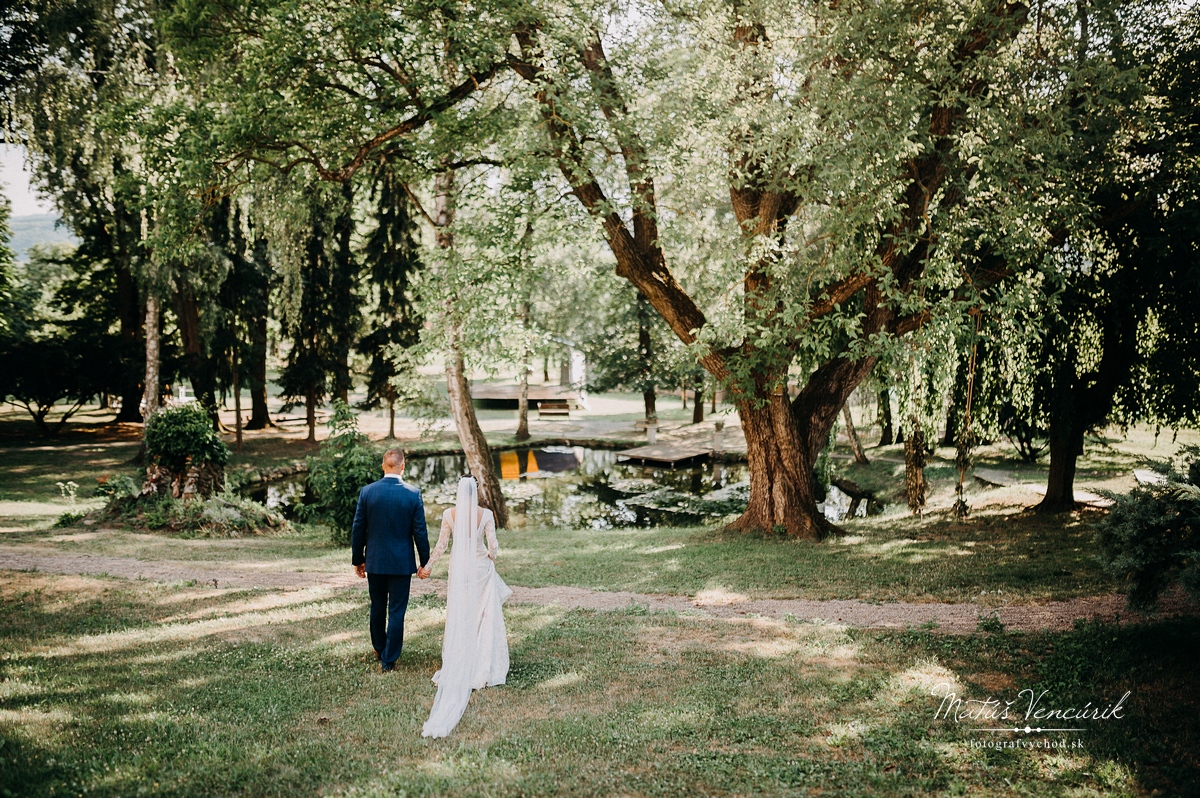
1151 536
180 435
224 515
122 486
391 256
347 461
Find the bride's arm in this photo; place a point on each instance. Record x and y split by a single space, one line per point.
489 531
443 539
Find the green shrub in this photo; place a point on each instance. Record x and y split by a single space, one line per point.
119 487
222 516
345 463
1150 536
181 435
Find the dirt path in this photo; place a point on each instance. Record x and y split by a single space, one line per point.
953 618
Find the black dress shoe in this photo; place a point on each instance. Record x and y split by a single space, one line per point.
388 668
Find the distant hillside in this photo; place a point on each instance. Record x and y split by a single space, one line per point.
40 229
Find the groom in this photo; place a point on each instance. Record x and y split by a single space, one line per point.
388 520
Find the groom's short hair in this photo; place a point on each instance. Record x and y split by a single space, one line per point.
393 458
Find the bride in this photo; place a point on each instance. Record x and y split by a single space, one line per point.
475 646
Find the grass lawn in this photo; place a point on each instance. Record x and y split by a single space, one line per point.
997 556
125 688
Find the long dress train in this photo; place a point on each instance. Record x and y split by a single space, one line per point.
475 646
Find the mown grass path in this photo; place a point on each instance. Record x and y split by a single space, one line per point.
951 618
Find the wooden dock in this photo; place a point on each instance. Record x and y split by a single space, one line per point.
671 454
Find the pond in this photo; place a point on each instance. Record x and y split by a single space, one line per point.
572 486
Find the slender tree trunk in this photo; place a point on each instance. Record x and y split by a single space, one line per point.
310 415
914 470
698 404
1066 443
237 401
259 416
523 406
646 356
714 400
683 397
131 332
151 383
887 433
474 443
855 445
523 397
391 413
470 435
546 370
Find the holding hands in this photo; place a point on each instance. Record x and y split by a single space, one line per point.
423 572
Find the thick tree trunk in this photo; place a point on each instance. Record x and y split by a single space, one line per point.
310 415
698 405
151 384
475 445
1066 443
855 445
887 432
650 400
782 495
130 313
259 416
914 470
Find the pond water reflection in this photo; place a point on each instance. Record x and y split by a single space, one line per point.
573 487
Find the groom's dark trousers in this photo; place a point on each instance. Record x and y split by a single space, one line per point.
389 523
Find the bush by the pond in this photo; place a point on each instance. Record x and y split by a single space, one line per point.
347 461
224 515
1151 537
184 454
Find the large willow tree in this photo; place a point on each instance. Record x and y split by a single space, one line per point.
847 148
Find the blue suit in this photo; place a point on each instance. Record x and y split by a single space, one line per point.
389 521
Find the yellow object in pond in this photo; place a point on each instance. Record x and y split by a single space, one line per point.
532 468
510 467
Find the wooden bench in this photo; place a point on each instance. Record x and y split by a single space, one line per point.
642 423
554 407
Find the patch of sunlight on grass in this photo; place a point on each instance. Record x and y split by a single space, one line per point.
719 596
920 680
13 689
767 649
661 549
561 681
469 765
268 601
116 641
196 595
666 718
841 734
133 698
849 540
10 509
32 716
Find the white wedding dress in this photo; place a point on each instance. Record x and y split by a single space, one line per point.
475 645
